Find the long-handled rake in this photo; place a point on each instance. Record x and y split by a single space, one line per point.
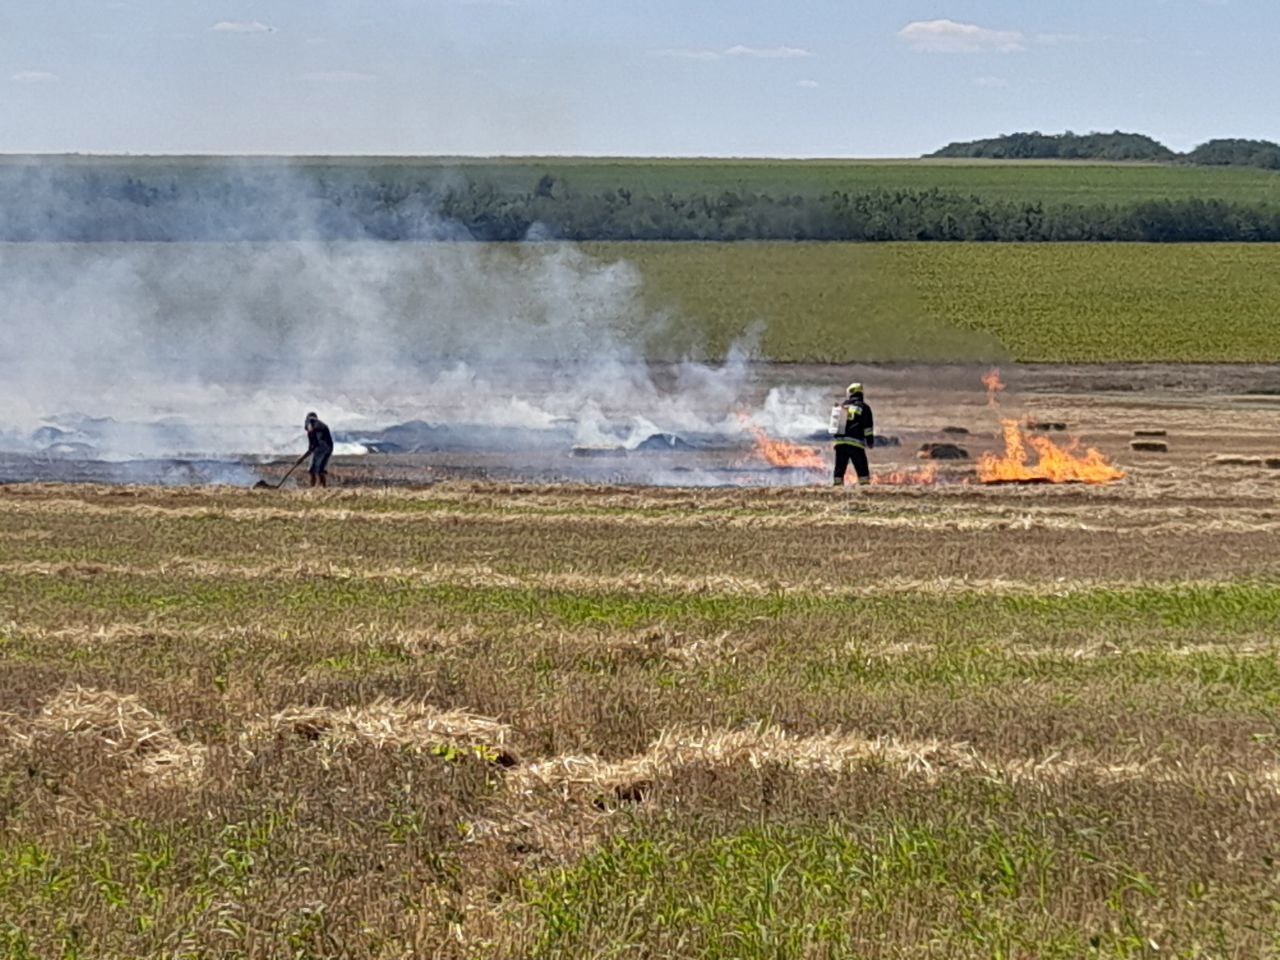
263 485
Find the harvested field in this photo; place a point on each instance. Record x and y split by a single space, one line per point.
498 719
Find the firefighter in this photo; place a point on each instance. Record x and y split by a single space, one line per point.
853 431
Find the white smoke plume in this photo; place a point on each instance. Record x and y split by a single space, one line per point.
131 350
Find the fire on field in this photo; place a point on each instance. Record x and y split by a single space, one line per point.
1052 464
1026 456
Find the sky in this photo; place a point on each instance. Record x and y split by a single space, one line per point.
818 78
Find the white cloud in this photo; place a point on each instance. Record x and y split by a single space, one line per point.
807 84
242 26
339 76
759 53
991 82
768 53
948 36
34 76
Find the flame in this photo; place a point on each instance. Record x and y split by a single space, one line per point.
1054 464
917 477
784 453
991 380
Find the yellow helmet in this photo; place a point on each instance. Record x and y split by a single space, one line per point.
855 388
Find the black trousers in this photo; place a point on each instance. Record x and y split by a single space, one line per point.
847 453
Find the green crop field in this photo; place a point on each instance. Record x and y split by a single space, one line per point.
493 721
1048 182
936 301
812 302
1074 182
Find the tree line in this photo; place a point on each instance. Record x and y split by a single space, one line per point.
89 205
1115 146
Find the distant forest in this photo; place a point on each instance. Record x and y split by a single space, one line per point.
1115 146
81 199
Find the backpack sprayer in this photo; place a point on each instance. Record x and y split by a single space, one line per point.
840 411
839 419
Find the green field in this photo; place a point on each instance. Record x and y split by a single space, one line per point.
1075 181
806 302
995 180
939 302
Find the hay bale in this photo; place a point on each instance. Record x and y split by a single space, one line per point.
1151 433
962 431
584 451
1149 446
1044 426
942 451
1236 460
121 728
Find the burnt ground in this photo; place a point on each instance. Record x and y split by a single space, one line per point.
1204 410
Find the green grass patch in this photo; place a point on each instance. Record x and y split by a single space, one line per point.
1230 606
896 889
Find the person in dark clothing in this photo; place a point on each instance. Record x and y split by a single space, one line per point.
853 432
320 446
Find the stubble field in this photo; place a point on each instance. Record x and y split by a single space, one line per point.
502 720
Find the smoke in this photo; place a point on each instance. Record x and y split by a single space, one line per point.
139 351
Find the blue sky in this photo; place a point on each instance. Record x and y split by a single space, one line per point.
657 77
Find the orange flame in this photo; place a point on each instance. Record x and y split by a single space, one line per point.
1054 464
918 477
991 380
784 453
